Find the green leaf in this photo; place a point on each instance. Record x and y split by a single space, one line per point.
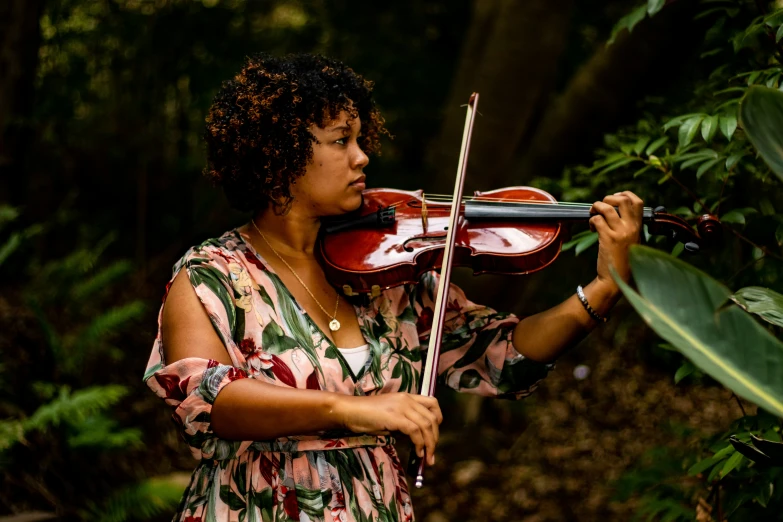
728 124
686 308
779 34
642 171
761 114
731 463
640 144
575 240
779 234
732 160
707 165
629 21
653 6
683 371
586 242
678 120
656 145
763 302
689 129
708 127
703 465
617 165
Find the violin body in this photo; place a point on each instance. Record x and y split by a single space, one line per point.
360 259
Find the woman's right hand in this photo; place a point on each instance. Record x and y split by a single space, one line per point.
416 416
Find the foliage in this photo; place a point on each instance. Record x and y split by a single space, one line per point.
696 153
49 411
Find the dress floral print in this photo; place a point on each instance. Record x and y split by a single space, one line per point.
332 476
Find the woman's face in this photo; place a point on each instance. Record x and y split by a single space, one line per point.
333 180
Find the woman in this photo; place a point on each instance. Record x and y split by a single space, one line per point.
288 392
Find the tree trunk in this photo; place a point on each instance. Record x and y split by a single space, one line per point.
20 37
603 93
510 58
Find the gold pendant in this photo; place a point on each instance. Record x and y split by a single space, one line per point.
334 325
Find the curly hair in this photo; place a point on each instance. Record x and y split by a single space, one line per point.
257 136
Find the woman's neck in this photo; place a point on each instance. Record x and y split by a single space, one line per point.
293 234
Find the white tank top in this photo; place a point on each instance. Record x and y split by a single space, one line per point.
356 357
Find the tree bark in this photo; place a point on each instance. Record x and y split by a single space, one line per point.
510 58
20 38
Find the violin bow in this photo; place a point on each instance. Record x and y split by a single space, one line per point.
430 375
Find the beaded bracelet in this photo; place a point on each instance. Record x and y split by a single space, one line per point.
581 294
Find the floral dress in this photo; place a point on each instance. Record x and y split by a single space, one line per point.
333 476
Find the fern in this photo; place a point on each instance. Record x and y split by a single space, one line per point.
109 322
100 432
75 407
140 501
102 279
11 432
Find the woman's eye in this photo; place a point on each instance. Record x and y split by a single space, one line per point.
341 141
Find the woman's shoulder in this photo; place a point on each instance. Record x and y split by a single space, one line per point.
222 252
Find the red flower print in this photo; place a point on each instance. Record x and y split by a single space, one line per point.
424 323
289 504
266 466
224 256
212 364
247 346
236 373
312 382
171 384
336 443
192 519
253 260
282 372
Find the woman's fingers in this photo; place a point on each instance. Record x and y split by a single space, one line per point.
431 403
431 421
608 212
424 430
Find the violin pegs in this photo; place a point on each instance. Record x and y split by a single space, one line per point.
660 209
691 247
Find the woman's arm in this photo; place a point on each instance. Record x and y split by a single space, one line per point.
546 335
248 409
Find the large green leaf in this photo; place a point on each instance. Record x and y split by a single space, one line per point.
694 313
767 303
761 115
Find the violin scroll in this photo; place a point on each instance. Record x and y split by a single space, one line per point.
708 232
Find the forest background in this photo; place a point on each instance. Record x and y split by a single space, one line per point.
102 106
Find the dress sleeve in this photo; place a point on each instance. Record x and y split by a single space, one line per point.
477 355
191 385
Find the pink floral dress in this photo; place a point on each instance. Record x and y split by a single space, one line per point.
333 476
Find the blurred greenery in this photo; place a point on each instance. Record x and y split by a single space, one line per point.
102 111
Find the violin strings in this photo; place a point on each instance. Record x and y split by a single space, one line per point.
540 203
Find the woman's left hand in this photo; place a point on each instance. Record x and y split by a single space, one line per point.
616 232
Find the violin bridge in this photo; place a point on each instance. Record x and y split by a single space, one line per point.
424 212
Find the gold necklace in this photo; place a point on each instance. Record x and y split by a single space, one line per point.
334 324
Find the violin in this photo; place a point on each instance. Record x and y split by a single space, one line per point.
396 235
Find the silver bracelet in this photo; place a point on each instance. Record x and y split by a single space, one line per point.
581 294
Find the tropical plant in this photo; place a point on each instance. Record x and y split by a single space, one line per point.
704 160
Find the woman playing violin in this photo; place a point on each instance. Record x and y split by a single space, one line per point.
287 391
